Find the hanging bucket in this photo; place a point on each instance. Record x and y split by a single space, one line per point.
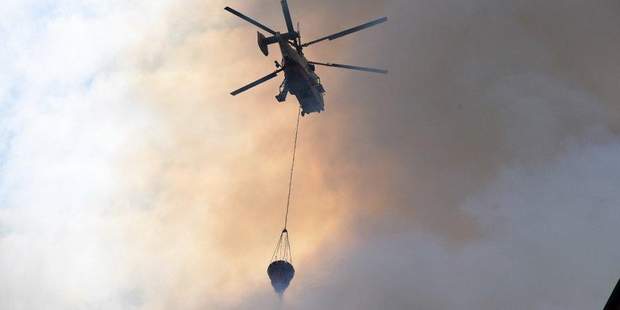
281 273
281 270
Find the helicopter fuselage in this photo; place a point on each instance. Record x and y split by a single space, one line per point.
300 79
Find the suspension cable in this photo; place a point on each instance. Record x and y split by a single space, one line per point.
290 180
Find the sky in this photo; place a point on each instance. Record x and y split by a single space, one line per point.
481 173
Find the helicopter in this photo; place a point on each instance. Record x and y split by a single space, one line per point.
300 78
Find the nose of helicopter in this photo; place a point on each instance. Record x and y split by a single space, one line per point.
312 104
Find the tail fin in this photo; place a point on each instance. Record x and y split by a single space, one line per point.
262 44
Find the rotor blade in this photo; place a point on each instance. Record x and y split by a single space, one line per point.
249 20
366 69
287 17
348 31
257 82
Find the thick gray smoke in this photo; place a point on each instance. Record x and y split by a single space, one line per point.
484 165
481 173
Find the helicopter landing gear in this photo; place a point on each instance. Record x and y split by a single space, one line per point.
281 97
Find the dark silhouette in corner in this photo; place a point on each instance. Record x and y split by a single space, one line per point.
614 300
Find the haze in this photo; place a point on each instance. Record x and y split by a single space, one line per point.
481 173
